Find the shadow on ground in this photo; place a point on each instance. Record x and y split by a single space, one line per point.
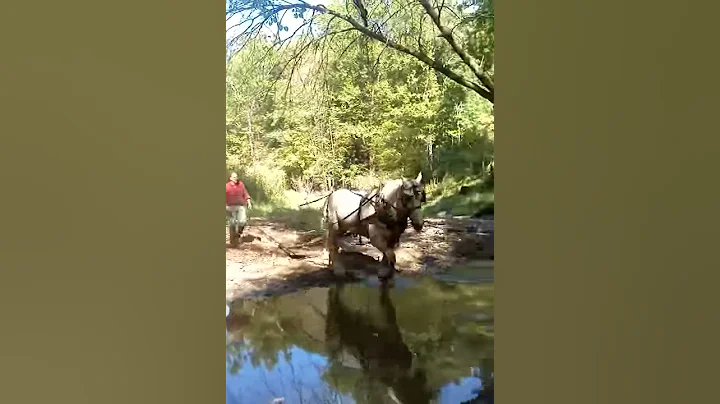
277 256
304 274
244 239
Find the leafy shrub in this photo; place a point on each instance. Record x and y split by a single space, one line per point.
265 183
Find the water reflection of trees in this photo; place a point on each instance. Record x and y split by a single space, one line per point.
409 345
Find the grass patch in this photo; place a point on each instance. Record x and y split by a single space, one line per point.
287 210
467 197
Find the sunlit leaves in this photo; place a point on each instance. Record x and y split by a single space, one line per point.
350 104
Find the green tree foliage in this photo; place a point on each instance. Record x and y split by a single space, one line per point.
340 101
402 26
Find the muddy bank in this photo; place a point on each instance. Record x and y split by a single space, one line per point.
275 258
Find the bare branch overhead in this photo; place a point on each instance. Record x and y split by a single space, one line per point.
468 72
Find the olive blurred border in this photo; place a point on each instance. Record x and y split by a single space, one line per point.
112 158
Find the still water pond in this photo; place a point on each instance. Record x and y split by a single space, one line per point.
423 341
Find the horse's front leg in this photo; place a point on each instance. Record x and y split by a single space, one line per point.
390 254
379 239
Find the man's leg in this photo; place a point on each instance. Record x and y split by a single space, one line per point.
241 219
231 214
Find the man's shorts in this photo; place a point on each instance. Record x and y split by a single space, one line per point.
236 215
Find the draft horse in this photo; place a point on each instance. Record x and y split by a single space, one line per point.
381 216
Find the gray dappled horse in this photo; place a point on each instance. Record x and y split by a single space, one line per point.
381 216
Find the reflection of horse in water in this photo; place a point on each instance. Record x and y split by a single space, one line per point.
375 340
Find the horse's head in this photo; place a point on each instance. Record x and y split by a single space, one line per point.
404 199
413 196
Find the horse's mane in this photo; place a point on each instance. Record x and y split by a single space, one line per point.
389 190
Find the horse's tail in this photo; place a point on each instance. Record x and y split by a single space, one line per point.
325 212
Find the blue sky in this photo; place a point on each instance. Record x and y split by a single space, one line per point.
292 23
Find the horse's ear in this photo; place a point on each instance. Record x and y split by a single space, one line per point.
419 177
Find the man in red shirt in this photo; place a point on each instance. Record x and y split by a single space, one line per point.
237 200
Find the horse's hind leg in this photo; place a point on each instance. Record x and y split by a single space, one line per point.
332 247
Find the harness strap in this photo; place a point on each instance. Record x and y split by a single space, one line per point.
364 200
318 199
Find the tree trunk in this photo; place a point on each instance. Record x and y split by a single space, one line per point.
250 135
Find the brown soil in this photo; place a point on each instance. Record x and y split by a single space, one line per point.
274 258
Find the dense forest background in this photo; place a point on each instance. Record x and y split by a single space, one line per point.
351 92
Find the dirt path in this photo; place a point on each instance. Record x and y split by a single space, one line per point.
258 266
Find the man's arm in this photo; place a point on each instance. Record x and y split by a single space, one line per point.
245 194
227 195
